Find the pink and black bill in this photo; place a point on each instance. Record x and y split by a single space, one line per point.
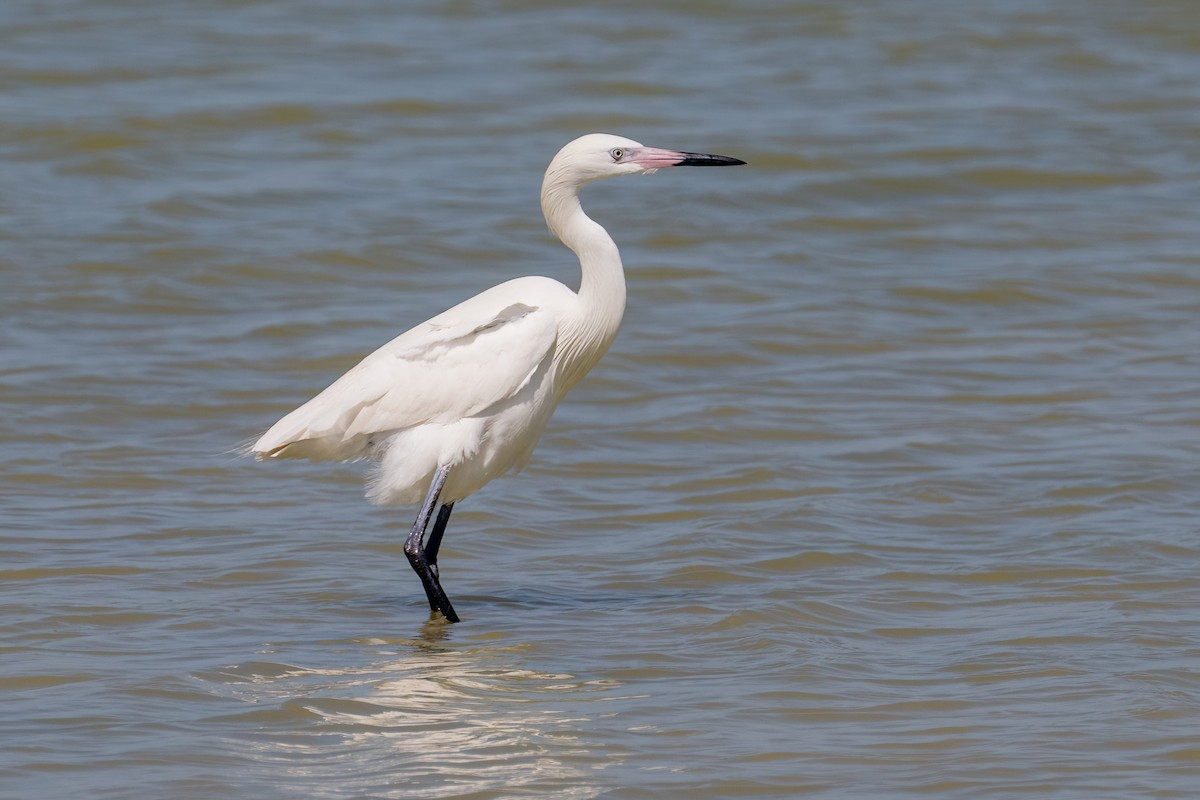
657 158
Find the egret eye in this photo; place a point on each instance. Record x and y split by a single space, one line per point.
616 153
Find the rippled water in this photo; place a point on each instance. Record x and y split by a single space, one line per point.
889 487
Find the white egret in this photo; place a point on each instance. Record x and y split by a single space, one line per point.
463 398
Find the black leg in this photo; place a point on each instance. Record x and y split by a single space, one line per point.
435 536
414 549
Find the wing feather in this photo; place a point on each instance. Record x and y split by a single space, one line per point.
456 365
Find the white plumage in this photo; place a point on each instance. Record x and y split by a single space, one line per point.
463 397
437 394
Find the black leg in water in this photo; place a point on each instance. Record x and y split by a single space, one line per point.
435 536
422 563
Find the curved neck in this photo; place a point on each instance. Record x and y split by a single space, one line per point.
602 286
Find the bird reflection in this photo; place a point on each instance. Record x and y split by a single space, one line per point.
433 720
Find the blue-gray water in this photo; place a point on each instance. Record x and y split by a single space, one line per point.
890 486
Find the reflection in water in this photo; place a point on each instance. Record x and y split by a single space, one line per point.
435 721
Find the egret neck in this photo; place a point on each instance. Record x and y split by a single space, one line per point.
586 337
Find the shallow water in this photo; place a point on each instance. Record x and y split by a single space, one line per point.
889 487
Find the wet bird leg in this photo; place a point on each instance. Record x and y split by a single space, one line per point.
435 537
422 563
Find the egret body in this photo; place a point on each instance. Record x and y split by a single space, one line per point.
463 397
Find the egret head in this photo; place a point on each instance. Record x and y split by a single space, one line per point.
603 155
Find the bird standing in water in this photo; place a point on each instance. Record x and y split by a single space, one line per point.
464 397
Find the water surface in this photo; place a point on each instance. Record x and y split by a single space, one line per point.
889 487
